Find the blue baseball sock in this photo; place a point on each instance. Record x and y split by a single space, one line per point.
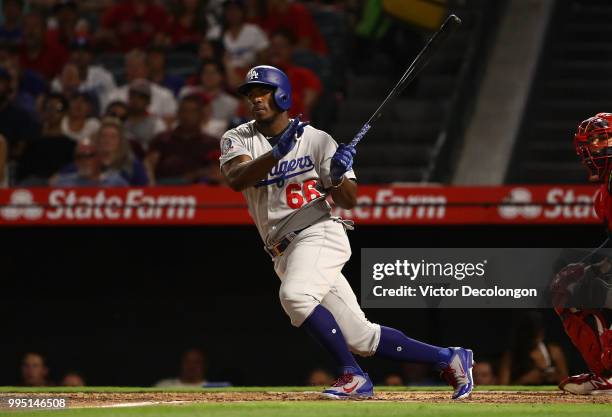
397 346
322 326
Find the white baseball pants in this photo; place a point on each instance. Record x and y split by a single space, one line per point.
310 274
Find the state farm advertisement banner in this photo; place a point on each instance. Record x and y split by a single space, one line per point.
546 204
122 206
377 205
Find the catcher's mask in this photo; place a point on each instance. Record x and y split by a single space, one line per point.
593 142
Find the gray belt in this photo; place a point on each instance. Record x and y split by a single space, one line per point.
278 248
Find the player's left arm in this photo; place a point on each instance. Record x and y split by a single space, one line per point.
343 190
346 194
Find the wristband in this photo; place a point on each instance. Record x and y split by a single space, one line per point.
276 153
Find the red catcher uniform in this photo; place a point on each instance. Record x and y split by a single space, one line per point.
603 206
588 328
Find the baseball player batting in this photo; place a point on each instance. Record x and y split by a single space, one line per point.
288 171
588 328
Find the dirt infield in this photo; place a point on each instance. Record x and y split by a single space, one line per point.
126 399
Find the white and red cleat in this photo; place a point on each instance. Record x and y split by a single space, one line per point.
352 384
587 384
458 372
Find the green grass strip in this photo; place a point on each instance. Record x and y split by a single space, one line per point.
261 389
335 409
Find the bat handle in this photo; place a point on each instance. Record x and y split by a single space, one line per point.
360 135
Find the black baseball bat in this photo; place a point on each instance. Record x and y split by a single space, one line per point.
451 23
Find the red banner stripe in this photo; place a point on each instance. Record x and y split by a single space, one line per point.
378 205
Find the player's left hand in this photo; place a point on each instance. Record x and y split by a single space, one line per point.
289 137
342 161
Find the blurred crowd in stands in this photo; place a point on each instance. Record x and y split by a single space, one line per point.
138 92
531 359
191 373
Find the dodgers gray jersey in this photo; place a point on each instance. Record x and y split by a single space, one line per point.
293 195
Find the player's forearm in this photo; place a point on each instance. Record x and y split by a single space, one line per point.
247 174
345 196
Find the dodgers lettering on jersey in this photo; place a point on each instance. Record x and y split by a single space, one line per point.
293 188
285 170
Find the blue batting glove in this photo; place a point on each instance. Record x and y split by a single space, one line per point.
342 161
287 140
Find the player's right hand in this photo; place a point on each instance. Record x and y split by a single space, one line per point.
288 139
342 161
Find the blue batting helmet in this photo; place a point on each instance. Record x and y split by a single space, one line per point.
272 77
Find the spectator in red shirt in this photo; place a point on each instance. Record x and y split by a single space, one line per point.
67 26
305 85
38 53
185 154
188 22
133 24
294 17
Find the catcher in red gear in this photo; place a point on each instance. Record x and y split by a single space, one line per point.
588 328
